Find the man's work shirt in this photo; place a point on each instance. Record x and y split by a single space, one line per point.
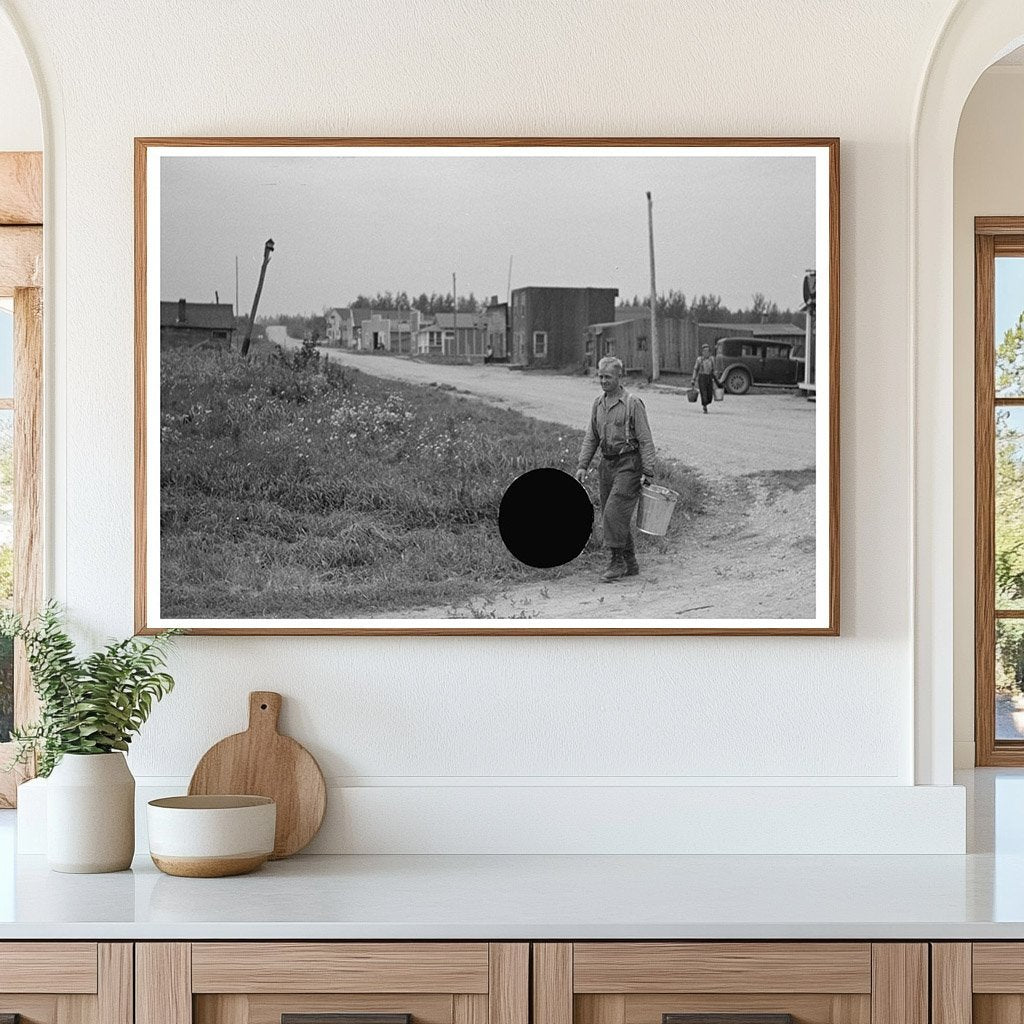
618 424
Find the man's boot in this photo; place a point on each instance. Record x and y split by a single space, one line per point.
632 566
616 567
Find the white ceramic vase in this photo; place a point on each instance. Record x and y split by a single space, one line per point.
90 814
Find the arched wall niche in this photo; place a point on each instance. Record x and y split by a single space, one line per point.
975 35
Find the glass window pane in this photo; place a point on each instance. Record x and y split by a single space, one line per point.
6 353
1009 679
1009 525
1009 327
6 567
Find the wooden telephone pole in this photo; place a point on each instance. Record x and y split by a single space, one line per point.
267 250
655 350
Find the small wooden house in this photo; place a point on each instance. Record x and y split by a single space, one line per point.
196 323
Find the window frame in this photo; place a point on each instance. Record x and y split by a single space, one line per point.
993 237
21 270
543 354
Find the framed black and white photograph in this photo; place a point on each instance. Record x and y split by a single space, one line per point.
497 386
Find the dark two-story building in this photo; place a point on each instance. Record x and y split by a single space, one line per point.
549 325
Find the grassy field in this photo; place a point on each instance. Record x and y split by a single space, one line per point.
294 488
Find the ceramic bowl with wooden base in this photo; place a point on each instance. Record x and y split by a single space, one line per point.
211 836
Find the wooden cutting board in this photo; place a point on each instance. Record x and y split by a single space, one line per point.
262 762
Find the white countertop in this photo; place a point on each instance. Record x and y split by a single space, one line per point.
516 897
977 896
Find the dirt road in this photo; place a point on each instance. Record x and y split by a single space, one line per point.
744 434
750 556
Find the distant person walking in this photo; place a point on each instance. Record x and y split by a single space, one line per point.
618 426
704 376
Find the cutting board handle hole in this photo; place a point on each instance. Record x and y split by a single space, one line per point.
263 707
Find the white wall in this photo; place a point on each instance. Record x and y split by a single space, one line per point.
987 181
21 127
438 715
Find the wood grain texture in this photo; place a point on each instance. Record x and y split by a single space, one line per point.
806 1008
984 502
208 867
143 145
998 1009
21 188
225 1009
552 983
466 1009
268 1009
304 967
999 226
28 484
346 1018
262 762
899 990
998 967
163 983
31 1009
951 983
65 967
634 967
76 1009
115 996
21 259
603 1009
508 993
994 237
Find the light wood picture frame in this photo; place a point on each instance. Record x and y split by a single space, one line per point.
336 240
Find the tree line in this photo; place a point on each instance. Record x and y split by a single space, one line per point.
710 308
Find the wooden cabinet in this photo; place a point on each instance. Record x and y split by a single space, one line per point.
979 982
308 982
754 982
66 982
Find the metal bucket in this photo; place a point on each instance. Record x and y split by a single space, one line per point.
655 510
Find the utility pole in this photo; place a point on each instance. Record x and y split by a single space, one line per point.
455 318
267 250
236 285
655 351
508 289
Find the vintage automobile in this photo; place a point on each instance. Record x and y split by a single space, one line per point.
743 362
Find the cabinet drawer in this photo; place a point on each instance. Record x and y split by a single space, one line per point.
340 967
65 967
332 983
635 967
66 982
980 982
730 983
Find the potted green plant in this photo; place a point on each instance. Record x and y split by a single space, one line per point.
89 710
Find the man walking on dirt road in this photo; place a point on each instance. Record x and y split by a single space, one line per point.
618 425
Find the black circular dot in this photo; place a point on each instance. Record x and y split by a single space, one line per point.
545 518
263 707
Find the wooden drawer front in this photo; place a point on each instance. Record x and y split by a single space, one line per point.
310 967
998 967
55 967
57 988
723 967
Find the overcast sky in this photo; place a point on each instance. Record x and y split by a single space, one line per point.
342 226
